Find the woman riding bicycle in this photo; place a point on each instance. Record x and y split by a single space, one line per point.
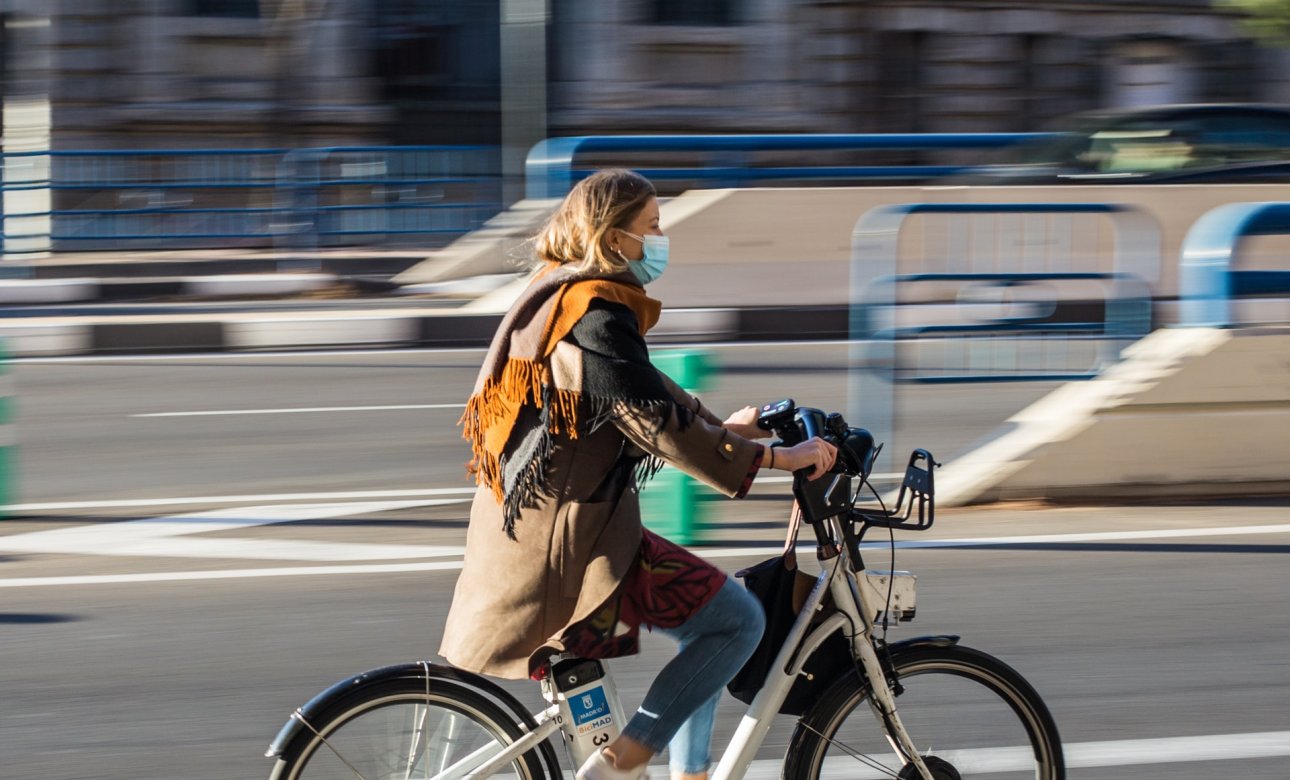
566 419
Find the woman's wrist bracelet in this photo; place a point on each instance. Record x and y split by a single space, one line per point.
772 457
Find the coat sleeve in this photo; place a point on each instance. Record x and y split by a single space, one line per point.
689 401
711 454
657 416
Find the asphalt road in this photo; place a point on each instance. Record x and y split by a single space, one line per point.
176 647
94 429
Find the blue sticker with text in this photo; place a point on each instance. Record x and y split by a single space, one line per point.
588 706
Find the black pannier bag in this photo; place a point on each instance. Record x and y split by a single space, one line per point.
782 588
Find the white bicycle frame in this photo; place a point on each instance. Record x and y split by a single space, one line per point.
851 610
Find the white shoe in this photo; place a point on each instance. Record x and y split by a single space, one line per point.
598 767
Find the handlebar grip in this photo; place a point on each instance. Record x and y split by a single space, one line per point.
812 421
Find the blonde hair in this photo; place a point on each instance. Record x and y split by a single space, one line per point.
578 230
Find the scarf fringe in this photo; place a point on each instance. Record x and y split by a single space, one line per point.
497 403
647 469
604 410
564 412
529 485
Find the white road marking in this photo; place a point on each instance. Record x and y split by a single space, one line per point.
1097 536
254 498
1079 755
170 536
127 503
106 539
227 574
1016 541
300 410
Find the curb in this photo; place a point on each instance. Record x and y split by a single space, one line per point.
88 290
401 328
342 265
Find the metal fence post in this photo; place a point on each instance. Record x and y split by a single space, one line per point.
672 504
8 433
1209 277
299 174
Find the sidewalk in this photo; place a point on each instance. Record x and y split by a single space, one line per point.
351 261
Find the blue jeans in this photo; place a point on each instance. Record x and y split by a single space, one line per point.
680 706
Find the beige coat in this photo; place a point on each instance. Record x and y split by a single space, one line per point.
516 597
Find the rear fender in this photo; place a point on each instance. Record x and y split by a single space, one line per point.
420 670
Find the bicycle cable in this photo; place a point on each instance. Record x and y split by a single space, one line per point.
891 537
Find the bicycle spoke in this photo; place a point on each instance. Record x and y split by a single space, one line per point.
863 758
327 743
985 722
437 755
419 741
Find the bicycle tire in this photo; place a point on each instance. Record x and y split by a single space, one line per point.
401 729
963 708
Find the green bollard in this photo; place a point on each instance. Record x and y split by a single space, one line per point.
671 505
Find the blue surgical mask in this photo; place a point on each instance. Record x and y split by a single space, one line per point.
652 265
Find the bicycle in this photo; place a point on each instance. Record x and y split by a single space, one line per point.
962 713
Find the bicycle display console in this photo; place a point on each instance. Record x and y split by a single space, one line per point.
830 496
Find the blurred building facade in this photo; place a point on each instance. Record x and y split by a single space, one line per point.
239 73
891 65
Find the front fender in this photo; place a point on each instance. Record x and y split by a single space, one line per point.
941 640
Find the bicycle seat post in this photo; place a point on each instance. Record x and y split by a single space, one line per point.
591 715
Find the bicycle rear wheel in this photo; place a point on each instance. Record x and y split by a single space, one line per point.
400 730
970 715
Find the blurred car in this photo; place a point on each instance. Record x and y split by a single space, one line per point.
1179 144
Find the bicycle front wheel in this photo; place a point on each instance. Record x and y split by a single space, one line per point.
400 730
970 715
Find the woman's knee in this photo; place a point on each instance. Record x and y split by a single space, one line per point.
751 618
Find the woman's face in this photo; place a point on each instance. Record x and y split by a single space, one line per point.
645 223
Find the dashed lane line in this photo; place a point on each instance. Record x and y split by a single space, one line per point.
1079 755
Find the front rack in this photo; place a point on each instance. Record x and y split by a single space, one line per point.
917 489
915 508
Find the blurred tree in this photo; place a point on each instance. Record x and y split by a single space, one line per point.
1267 20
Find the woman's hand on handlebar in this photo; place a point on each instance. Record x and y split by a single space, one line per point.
814 454
744 423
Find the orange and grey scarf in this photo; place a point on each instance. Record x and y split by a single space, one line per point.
521 399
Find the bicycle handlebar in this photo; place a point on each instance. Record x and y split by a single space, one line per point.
827 497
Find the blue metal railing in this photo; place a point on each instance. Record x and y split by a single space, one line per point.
727 160
1019 339
1210 276
178 199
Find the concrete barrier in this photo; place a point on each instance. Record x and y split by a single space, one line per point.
1190 412
792 246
